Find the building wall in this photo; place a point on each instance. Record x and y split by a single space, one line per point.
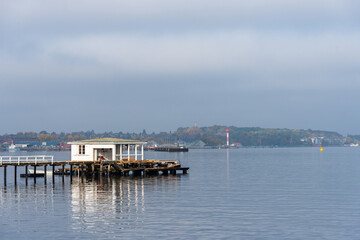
89 152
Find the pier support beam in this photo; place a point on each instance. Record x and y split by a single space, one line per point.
82 170
34 174
15 173
71 172
44 174
26 174
63 173
53 173
5 175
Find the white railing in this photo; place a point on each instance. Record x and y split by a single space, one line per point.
26 159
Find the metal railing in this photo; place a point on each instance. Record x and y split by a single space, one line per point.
26 159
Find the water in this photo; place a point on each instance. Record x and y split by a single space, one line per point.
279 193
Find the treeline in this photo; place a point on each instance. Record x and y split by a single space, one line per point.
256 136
211 136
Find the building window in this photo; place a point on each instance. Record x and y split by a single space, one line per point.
81 149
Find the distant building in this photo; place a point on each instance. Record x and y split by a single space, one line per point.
317 140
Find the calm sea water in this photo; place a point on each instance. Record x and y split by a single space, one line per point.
279 193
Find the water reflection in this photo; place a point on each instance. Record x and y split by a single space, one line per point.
114 200
90 205
228 164
110 195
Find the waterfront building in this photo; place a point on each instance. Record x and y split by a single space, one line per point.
113 149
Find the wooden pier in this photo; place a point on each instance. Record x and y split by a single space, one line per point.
86 168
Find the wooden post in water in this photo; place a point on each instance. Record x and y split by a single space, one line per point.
82 173
63 172
82 170
5 175
44 174
15 168
53 173
26 170
71 172
34 173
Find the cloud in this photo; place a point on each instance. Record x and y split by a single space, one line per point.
250 56
285 60
110 15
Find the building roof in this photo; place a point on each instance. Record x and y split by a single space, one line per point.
110 141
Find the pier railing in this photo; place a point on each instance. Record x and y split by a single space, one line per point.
26 159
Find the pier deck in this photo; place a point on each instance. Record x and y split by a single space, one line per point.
103 167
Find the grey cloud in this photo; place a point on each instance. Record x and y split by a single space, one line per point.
92 16
283 58
245 63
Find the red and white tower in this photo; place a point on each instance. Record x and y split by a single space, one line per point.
227 137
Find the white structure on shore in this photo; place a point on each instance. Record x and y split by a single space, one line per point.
113 149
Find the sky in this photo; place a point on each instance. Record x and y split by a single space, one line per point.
116 65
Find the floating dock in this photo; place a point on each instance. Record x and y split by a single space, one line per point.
89 168
169 149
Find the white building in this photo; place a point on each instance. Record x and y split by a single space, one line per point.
113 149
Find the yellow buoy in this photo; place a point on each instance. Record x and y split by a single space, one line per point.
321 149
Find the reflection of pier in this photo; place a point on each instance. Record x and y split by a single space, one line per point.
92 204
103 199
118 195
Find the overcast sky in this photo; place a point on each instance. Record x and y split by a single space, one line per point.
115 65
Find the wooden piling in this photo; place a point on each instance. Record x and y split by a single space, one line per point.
63 173
26 174
4 175
82 170
34 173
15 173
53 173
44 174
71 172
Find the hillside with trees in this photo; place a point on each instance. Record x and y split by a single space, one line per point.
211 136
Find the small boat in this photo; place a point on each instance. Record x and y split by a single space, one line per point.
12 147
